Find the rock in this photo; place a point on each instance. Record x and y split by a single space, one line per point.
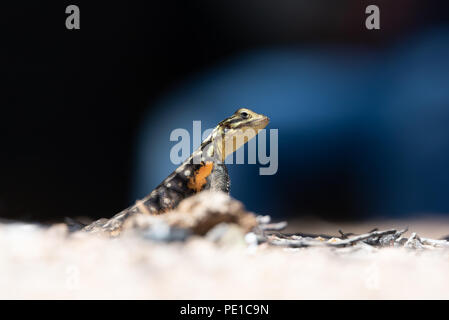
227 235
153 228
198 214
205 210
162 232
251 239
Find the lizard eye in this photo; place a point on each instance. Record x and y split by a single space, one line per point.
244 115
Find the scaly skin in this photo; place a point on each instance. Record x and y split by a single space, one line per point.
204 169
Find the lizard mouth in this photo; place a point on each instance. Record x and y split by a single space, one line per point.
259 123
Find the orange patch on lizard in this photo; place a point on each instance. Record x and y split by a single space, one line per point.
199 178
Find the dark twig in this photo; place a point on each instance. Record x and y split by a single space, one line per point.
295 243
362 237
345 235
309 235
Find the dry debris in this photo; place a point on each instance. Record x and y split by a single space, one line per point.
224 221
374 238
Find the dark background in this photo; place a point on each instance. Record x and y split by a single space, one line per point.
73 100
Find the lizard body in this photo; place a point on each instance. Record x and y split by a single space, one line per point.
204 169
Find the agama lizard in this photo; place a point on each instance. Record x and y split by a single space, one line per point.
204 169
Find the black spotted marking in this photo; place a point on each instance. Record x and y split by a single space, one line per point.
171 191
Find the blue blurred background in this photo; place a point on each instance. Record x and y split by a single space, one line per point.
360 131
363 130
363 115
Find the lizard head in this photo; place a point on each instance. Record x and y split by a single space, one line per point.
238 129
244 119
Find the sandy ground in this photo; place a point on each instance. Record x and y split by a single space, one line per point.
40 263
